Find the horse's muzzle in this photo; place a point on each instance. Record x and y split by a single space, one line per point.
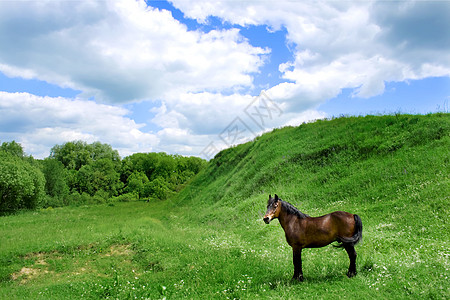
267 220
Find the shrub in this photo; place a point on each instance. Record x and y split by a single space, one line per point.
125 197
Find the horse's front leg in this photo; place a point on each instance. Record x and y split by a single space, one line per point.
298 272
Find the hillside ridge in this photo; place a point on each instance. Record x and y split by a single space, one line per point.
331 158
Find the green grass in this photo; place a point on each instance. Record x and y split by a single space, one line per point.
210 242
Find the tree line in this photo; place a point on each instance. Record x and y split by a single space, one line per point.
80 173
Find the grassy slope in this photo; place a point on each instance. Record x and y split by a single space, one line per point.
210 241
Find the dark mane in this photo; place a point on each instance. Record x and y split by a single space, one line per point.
290 209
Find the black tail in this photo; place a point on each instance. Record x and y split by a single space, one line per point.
357 236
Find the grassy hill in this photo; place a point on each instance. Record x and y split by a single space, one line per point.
210 242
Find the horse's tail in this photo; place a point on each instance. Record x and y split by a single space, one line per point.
357 236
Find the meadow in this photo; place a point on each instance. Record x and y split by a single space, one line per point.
209 240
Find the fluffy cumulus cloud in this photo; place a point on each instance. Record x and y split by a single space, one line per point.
117 52
338 45
39 123
120 51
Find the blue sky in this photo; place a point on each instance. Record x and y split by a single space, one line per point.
194 77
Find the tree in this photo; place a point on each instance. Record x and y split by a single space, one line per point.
138 183
21 183
195 164
166 173
13 148
100 175
139 162
76 154
158 189
56 177
73 155
99 151
166 165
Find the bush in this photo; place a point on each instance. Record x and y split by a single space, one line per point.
49 201
74 198
125 197
84 198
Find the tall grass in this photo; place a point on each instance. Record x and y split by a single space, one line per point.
210 241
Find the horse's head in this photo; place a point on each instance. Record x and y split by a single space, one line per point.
273 209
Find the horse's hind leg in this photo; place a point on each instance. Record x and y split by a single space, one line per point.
352 256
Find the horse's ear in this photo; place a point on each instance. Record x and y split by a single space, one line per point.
276 197
270 197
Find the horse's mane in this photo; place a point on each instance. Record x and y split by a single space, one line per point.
290 209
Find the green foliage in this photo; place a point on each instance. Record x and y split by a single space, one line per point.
77 173
158 188
13 148
125 197
99 175
96 168
138 183
21 183
77 199
73 155
158 175
76 154
55 182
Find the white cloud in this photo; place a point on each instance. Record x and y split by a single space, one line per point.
39 123
340 45
202 113
190 121
120 51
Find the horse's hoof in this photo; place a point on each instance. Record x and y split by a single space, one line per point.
351 274
299 279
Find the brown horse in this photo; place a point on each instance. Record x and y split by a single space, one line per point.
303 231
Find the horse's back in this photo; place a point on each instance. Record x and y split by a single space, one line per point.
342 214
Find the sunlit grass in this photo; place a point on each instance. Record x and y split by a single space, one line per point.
175 260
210 241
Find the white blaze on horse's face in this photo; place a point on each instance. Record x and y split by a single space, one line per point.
273 209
